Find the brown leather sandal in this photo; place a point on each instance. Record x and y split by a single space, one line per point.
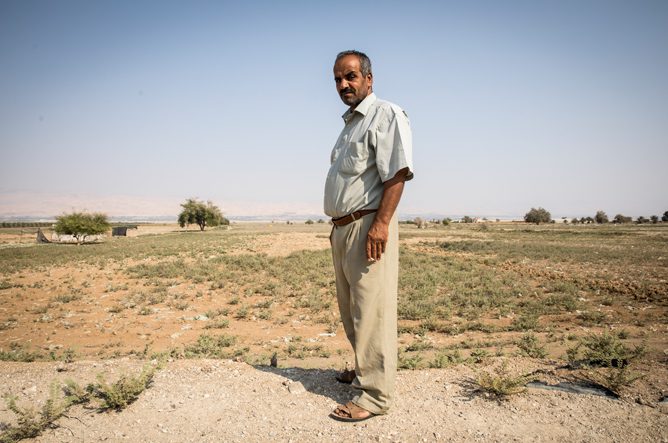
350 413
346 376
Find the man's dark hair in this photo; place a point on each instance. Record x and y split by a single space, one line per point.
365 63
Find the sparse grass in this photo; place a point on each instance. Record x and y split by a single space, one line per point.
124 391
527 321
479 355
501 384
445 359
301 351
530 346
31 422
243 312
457 284
208 346
218 324
615 379
18 352
406 361
5 284
213 313
603 350
67 298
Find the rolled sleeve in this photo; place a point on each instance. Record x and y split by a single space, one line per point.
394 146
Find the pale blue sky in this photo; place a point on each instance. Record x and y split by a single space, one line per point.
132 106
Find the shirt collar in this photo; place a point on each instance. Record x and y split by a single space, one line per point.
362 108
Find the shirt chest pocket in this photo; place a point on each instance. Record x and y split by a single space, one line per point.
355 158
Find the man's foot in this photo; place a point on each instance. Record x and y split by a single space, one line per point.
350 412
346 376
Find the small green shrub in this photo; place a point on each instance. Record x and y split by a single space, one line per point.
614 379
18 352
479 355
525 322
445 359
124 391
218 324
208 346
530 346
501 383
31 423
409 361
603 350
66 298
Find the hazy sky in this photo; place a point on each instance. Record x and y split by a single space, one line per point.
130 107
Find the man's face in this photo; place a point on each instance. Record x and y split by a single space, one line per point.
351 85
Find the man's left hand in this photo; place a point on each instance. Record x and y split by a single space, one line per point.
376 240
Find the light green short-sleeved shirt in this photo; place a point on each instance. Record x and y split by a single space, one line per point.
374 145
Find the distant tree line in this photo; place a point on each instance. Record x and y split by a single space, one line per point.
21 224
619 219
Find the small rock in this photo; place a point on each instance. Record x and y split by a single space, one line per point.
296 388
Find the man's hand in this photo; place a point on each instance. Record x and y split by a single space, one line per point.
376 240
378 234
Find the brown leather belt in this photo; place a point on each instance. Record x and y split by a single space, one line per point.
346 219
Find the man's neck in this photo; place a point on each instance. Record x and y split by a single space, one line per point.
352 108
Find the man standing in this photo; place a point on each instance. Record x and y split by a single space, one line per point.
370 162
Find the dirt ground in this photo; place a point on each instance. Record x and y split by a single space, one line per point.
217 400
226 400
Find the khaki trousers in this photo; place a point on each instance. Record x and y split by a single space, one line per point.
367 296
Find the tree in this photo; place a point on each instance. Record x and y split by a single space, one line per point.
601 217
467 219
621 219
421 224
575 221
537 216
665 217
80 225
642 220
654 219
200 213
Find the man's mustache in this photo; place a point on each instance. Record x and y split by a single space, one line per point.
347 90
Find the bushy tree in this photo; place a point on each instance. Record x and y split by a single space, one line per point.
665 217
421 224
80 225
654 219
537 216
200 213
467 219
621 219
601 217
446 221
642 220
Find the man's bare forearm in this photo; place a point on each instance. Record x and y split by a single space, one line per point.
379 231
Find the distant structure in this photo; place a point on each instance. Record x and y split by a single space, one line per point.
121 231
41 238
